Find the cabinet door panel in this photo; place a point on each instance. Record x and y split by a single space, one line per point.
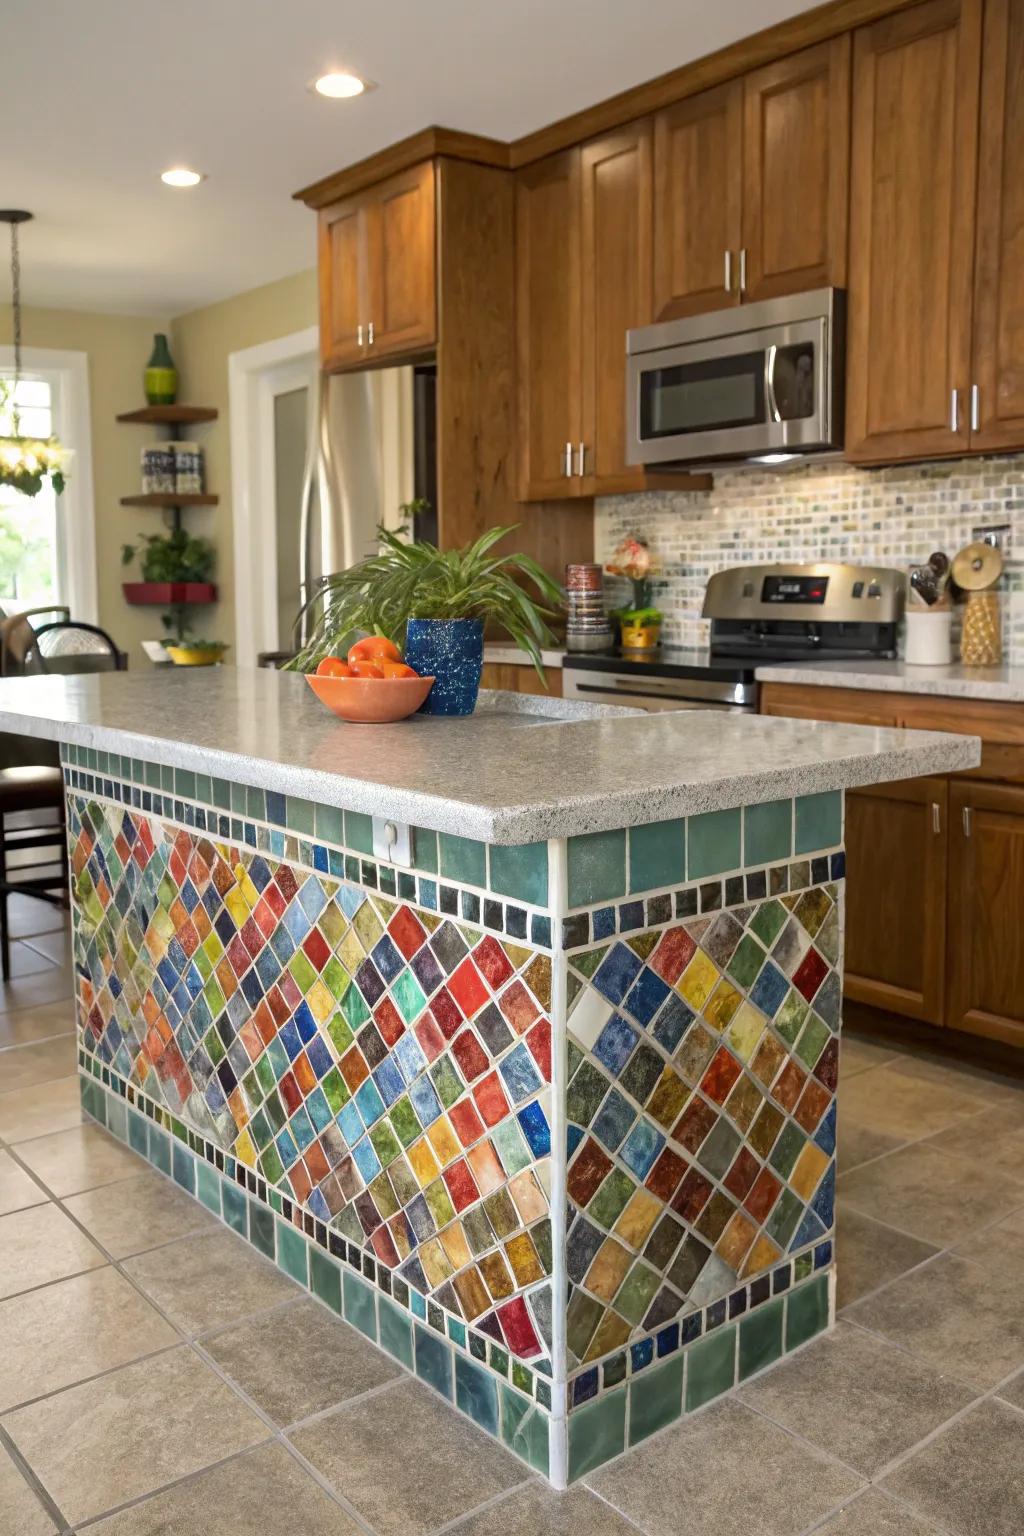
915 105
987 911
896 840
548 323
697 195
343 281
796 124
999 259
616 208
402 263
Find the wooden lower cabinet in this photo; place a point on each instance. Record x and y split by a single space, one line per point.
986 910
512 678
896 897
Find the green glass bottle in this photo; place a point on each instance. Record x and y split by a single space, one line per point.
160 380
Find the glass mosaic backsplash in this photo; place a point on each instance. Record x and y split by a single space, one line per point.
405 1071
894 516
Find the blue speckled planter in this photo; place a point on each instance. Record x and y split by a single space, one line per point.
452 650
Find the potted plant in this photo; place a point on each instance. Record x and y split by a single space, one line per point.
433 604
640 624
176 569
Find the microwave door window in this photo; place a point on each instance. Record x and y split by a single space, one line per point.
711 395
793 382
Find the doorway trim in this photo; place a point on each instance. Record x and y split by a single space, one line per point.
255 376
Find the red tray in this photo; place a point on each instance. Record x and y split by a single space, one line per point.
164 592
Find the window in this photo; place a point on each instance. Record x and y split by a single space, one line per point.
47 542
29 564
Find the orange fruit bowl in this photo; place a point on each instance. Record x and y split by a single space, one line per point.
371 700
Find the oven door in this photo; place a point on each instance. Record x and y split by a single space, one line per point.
658 693
731 397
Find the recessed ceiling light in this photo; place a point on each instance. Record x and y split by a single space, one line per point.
181 176
340 84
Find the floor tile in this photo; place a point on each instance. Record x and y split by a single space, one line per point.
957 1316
26 960
107 1441
964 1076
715 1470
40 1245
21 1513
858 1054
35 1111
27 915
929 1195
1014 1391
81 1158
992 1139
1000 1246
54 948
24 1065
135 1214
26 1025
878 1400
50 985
875 1514
62 1333
891 1103
447 1468
17 1190
299 1360
869 1254
857 1143
202 1282
969 1478
264 1491
541 1512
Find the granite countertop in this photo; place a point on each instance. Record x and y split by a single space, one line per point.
578 768
1005 683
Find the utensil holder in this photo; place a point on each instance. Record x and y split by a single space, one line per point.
928 634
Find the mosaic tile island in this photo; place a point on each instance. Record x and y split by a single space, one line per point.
514 1039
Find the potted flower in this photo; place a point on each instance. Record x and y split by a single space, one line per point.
433 604
641 623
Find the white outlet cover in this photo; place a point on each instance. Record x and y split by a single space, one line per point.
392 841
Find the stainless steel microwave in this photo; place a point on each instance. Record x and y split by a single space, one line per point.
759 381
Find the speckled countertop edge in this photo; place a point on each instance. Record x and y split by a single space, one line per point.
1002 684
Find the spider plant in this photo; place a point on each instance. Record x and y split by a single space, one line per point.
419 581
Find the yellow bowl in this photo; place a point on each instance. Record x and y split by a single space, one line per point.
195 656
371 700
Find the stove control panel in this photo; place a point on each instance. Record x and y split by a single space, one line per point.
827 592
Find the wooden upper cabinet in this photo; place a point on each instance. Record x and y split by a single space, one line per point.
377 271
697 199
343 270
914 160
403 305
998 374
616 277
548 325
796 134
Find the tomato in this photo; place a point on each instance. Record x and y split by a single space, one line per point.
366 669
374 648
396 669
332 666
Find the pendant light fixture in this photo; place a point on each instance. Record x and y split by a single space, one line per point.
25 462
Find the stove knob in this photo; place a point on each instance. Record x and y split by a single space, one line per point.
858 589
874 590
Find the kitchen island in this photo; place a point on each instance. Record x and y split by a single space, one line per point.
514 1038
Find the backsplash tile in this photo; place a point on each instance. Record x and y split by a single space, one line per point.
893 516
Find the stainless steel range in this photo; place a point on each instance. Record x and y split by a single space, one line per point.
758 613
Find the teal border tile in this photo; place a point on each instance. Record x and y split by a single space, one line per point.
597 1433
657 855
521 873
463 858
710 1367
596 867
819 821
655 1399
476 1393
768 832
713 844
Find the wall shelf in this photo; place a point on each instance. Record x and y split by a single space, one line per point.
170 415
164 499
173 593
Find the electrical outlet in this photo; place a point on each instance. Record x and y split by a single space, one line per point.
996 534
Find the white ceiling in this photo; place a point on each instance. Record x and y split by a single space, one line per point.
100 96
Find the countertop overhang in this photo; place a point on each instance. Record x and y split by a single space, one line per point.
1003 684
519 771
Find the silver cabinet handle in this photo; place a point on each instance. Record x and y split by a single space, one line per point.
567 465
369 334
743 270
936 817
967 820
359 335
954 410
581 458
975 407
728 271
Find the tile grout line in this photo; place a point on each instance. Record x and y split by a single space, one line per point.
45 1498
494 1501
26 1045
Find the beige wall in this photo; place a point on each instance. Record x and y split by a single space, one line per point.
202 342
118 347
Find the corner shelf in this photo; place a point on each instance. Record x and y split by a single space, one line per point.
165 499
169 593
170 415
